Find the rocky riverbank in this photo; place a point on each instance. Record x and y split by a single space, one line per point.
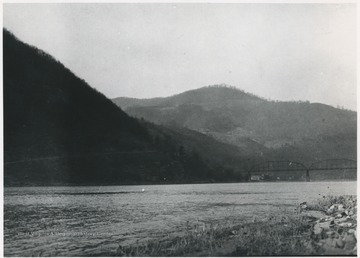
334 224
325 227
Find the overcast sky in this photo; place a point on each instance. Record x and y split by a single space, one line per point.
277 51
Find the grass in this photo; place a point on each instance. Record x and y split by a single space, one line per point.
283 233
280 236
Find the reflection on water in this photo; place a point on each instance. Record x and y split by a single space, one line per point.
73 221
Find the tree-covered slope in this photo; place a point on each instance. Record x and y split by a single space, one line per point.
232 116
56 127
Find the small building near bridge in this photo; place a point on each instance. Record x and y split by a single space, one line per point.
256 178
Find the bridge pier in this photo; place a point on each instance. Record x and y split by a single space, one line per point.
307 175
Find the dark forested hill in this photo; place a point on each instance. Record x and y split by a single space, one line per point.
58 130
285 130
56 127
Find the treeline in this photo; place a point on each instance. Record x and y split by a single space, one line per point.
234 89
187 163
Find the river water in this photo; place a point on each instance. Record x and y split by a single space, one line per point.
74 221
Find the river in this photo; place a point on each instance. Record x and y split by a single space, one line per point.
74 221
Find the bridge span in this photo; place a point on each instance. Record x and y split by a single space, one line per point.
299 170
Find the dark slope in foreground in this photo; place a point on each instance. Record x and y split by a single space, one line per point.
58 130
278 130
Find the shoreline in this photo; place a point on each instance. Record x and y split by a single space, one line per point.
168 183
319 228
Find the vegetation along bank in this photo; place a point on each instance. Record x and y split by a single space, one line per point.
325 227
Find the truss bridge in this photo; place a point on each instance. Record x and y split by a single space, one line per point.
293 170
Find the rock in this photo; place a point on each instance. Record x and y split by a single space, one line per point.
339 243
341 220
317 229
350 242
330 233
303 206
330 242
308 246
334 231
330 211
321 242
331 251
345 225
324 225
316 214
310 218
353 251
324 219
352 231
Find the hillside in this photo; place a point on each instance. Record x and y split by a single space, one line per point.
207 97
284 130
60 131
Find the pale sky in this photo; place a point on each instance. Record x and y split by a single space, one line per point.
276 51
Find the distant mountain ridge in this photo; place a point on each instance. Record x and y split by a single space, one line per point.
210 96
242 119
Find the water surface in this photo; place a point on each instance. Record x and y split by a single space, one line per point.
74 221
